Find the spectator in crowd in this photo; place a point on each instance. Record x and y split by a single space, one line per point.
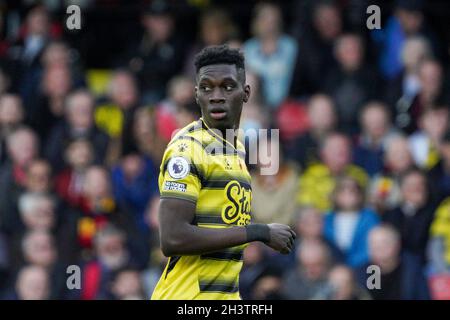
401 90
11 116
180 92
384 189
439 246
440 173
114 113
318 180
309 225
348 224
58 53
78 123
402 276
316 42
39 249
351 84
255 266
407 21
40 211
35 36
98 207
430 94
39 177
126 285
47 109
376 131
271 53
413 217
292 119
322 120
37 212
27 50
37 180
342 285
33 283
79 155
215 28
272 194
135 183
145 134
308 279
111 255
51 81
159 54
22 146
425 143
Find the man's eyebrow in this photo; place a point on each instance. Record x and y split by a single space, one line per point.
207 78
230 79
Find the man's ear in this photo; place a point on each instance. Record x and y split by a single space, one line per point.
246 92
195 94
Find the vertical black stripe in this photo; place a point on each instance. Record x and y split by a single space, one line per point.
172 262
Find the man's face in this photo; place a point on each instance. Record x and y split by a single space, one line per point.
336 153
375 122
383 247
39 177
40 250
220 93
321 114
80 112
414 189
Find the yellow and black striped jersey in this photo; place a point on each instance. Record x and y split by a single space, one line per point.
202 167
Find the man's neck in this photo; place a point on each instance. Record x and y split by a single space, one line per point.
231 137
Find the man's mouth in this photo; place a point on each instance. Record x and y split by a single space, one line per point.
218 114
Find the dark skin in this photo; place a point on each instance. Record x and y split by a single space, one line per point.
220 88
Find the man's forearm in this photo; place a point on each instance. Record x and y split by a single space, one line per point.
192 240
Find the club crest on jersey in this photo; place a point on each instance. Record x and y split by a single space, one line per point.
178 167
182 147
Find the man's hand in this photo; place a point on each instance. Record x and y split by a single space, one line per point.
281 238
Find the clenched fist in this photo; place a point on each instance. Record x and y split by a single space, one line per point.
281 238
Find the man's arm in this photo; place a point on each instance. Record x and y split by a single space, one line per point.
180 237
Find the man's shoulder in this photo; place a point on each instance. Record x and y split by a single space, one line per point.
188 135
190 143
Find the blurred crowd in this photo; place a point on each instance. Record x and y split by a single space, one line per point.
364 174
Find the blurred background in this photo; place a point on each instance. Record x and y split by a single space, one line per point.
364 177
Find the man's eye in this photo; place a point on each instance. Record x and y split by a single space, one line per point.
205 88
229 87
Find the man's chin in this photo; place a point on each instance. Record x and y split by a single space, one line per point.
220 124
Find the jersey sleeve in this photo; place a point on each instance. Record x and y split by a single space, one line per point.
181 171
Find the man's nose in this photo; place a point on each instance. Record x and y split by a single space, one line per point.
217 96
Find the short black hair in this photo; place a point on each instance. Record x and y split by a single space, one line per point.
222 54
